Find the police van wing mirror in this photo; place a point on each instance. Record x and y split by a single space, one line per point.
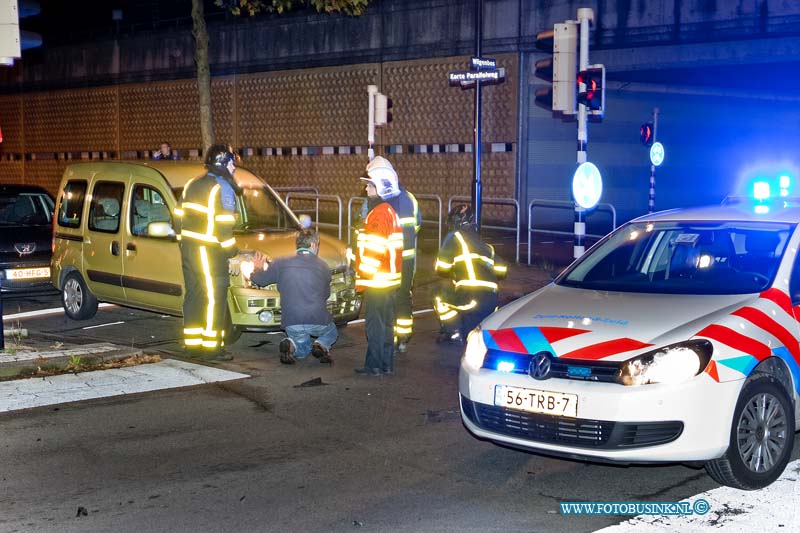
160 229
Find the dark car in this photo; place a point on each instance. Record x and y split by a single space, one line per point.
26 232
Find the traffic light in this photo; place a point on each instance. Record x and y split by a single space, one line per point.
593 95
559 69
646 133
382 106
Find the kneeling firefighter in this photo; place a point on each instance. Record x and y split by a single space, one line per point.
206 216
473 270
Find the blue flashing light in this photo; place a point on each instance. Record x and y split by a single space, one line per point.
784 181
505 366
761 190
762 209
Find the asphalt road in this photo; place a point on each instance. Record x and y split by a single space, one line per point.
357 453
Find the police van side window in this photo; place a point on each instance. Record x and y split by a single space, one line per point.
105 206
71 206
147 206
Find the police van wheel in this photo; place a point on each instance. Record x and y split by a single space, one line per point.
762 437
79 303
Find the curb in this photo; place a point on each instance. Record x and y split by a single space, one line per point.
16 362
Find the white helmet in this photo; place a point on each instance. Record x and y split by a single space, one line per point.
381 173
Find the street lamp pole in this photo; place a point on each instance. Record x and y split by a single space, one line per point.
476 144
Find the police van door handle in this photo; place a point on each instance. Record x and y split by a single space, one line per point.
131 247
114 248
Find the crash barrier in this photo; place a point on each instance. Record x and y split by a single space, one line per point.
564 204
317 198
496 201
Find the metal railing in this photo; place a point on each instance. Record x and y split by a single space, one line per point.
424 197
564 204
438 199
308 190
317 198
496 201
354 199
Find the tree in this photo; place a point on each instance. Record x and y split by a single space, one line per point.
249 8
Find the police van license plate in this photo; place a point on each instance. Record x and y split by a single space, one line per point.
536 401
28 273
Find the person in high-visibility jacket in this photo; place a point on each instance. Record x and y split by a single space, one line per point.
206 216
378 264
407 208
473 270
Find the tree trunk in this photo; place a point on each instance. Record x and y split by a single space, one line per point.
203 74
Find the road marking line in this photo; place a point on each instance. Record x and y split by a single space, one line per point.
731 510
104 325
43 312
168 374
420 312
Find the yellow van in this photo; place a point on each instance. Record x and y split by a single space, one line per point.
113 242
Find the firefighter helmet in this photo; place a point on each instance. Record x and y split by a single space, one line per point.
460 215
381 173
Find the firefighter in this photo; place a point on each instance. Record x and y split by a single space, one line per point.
379 259
407 208
473 270
206 216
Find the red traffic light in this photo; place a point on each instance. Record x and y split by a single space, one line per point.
592 96
646 134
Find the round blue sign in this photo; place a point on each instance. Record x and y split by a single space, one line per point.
657 154
587 185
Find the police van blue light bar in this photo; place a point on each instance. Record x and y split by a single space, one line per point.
784 182
761 190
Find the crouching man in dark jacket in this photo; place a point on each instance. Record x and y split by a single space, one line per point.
304 283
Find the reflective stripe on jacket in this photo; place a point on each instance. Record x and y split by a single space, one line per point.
207 210
407 208
379 249
468 261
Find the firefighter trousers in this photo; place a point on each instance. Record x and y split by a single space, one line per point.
205 303
405 319
379 318
459 314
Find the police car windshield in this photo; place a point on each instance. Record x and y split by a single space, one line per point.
260 209
684 258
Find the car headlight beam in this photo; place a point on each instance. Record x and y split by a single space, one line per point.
475 351
671 364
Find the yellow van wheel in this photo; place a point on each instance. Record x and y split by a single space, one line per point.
232 333
79 303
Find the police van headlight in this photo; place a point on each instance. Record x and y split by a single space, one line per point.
671 364
475 351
